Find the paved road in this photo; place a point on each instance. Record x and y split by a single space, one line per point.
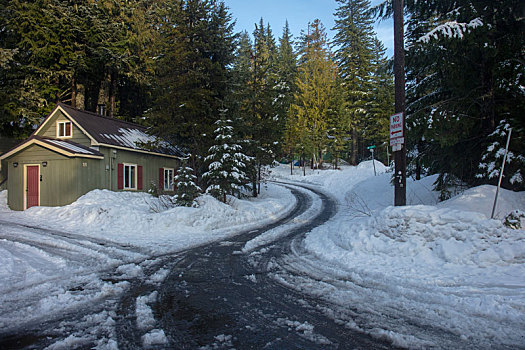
216 297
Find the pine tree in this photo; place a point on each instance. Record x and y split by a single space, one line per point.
227 163
316 82
463 77
381 105
257 97
59 51
187 190
286 67
355 53
192 73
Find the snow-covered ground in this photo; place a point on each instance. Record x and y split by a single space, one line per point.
57 260
398 273
403 270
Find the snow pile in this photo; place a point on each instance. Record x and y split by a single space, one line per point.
409 270
481 199
424 243
129 218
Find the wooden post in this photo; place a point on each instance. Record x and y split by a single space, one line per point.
399 86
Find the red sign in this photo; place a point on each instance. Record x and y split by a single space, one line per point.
396 129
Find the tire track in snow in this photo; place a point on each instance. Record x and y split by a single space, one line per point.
77 239
218 297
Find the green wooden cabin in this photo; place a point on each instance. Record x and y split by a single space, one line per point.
73 152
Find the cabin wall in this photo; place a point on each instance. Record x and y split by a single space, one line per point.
50 130
62 179
150 166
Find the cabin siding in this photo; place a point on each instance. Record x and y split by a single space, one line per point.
62 181
50 130
150 166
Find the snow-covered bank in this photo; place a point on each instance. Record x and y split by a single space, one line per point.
439 266
130 218
55 261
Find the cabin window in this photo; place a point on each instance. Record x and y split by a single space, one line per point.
168 179
130 176
64 129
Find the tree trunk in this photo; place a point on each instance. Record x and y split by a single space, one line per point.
259 179
254 184
112 92
353 155
74 92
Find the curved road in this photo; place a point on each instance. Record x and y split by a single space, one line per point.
218 297
212 297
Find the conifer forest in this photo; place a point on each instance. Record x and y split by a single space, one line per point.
179 68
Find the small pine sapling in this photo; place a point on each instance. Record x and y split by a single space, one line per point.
227 169
492 159
187 190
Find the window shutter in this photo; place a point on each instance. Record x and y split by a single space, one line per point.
139 177
175 172
120 176
161 178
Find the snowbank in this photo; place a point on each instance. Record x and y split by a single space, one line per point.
435 265
130 217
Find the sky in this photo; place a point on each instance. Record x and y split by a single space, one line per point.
298 13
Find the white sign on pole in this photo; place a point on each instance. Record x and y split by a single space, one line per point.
397 141
396 129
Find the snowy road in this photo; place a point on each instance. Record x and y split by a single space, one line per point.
115 295
224 296
295 268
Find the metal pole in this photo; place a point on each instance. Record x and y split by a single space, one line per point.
399 86
373 163
501 175
387 155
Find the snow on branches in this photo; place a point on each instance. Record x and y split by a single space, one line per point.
492 158
227 168
450 29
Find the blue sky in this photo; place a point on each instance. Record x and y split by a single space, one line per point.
298 13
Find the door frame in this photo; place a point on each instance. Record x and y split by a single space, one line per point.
25 183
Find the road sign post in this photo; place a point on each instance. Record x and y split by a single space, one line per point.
399 88
371 148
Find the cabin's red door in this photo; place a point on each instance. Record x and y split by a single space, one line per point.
32 184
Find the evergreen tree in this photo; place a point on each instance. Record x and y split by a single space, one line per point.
257 98
354 40
187 190
227 163
286 67
61 51
464 72
192 73
381 106
316 82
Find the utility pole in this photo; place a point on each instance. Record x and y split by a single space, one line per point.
400 153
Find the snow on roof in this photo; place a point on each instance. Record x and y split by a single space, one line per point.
69 146
117 132
131 137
